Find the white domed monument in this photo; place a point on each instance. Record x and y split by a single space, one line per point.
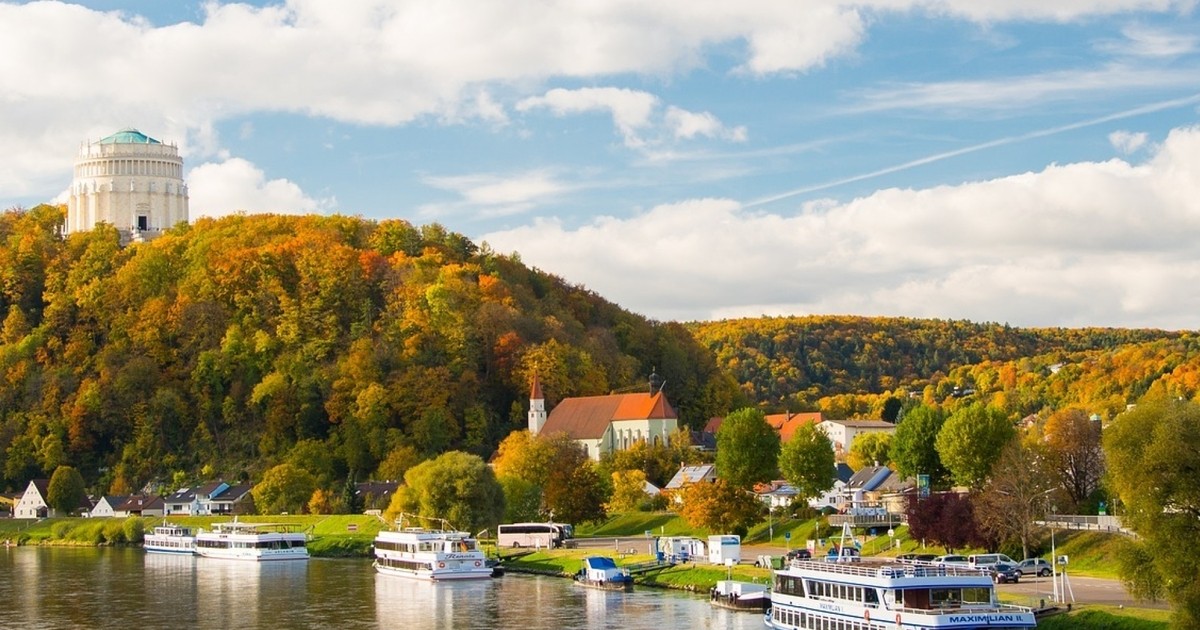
130 181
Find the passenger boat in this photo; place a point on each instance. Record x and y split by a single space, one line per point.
168 538
430 554
734 595
885 596
259 542
602 573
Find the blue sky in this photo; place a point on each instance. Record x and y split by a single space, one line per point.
1020 161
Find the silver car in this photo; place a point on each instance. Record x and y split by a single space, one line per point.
1034 566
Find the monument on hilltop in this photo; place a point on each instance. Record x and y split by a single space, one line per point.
130 181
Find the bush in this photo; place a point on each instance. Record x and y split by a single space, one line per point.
135 529
60 530
114 532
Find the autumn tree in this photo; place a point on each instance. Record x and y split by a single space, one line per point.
629 491
66 492
455 486
322 501
807 462
1016 494
970 442
1153 452
284 488
914 445
719 507
1074 448
943 518
747 449
871 449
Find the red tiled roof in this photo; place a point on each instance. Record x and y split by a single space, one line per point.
535 391
713 425
787 423
588 418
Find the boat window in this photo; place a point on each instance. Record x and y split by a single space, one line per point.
870 596
977 595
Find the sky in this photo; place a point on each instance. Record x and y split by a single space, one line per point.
1030 162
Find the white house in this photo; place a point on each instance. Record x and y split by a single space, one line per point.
603 424
215 497
109 506
842 432
32 504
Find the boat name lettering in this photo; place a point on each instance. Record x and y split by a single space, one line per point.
982 618
459 556
830 607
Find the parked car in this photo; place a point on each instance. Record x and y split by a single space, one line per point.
950 561
846 554
916 558
799 554
987 560
1005 572
1034 566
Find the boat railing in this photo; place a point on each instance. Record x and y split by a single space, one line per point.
236 527
867 569
958 608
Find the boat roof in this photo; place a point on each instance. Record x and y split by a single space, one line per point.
599 562
894 575
255 528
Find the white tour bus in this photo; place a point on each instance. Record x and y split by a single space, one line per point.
543 535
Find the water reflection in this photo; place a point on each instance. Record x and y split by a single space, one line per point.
126 588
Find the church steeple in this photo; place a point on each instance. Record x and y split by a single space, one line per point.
537 406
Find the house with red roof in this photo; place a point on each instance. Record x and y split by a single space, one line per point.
604 424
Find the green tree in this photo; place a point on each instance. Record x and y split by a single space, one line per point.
455 486
807 462
397 462
871 449
284 488
720 507
747 449
66 492
1153 453
970 442
914 445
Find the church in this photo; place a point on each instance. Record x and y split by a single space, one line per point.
130 181
603 424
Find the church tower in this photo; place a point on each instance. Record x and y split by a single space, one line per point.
537 406
130 181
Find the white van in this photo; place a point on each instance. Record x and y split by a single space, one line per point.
987 560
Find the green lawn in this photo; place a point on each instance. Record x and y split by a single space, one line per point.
1108 618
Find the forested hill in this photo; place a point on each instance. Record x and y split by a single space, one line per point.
227 346
796 361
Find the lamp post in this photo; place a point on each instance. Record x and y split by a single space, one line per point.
1053 557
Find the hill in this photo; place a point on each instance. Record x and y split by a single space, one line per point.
817 362
226 346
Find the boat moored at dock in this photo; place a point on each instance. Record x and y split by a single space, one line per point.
259 542
734 595
884 596
431 554
168 538
602 573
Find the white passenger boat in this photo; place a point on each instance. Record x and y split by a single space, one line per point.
883 596
430 554
257 542
168 538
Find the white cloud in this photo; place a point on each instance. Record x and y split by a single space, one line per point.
1127 141
688 125
492 195
630 109
1094 243
236 185
1143 41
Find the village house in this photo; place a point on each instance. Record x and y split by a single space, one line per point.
213 498
604 424
33 504
108 506
842 432
140 505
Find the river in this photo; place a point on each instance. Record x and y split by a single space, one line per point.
59 587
